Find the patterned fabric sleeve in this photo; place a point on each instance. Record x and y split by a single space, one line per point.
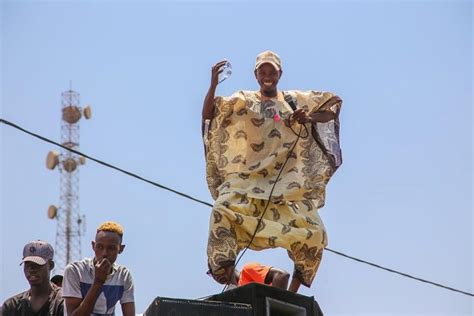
211 153
128 289
224 107
327 134
71 282
207 123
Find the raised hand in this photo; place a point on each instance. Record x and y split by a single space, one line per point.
216 70
102 270
301 116
321 116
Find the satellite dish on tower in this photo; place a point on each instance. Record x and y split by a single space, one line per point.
87 112
69 164
71 114
52 212
52 159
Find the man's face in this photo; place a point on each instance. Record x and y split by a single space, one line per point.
107 245
267 77
37 274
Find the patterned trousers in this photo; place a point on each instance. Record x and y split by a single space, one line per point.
295 226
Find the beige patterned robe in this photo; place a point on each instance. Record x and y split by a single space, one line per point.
247 144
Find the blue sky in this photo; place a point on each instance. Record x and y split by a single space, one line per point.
402 198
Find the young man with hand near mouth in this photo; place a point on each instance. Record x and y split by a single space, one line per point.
93 286
43 298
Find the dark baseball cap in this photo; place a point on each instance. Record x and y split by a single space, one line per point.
38 251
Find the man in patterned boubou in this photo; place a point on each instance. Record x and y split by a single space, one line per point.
248 139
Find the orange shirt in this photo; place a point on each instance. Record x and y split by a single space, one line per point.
253 272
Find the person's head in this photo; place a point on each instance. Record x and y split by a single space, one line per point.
108 241
268 72
58 280
37 262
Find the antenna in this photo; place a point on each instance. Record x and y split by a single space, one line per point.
70 223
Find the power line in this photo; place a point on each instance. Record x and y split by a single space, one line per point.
210 205
103 163
397 272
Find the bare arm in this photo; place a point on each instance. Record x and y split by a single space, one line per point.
77 306
323 115
128 309
208 106
84 307
326 113
294 285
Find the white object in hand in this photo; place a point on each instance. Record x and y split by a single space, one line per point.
226 71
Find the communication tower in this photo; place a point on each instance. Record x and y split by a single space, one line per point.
70 223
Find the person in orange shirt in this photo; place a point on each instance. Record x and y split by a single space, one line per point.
258 273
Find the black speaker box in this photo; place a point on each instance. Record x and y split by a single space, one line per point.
270 301
164 306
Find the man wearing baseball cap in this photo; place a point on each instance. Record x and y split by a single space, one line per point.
269 157
43 298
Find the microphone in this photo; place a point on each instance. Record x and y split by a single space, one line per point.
292 103
290 100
